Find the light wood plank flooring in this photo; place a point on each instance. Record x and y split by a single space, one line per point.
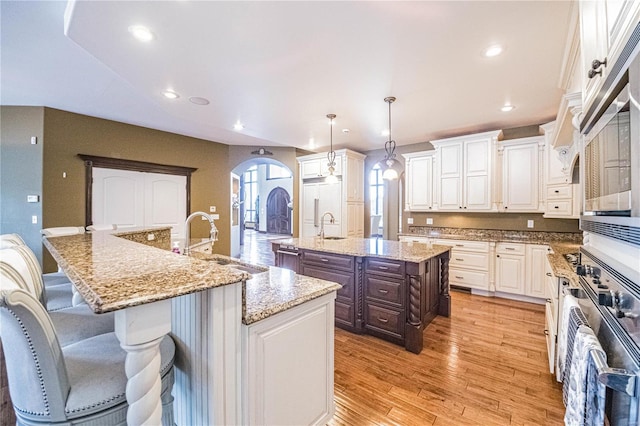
485 365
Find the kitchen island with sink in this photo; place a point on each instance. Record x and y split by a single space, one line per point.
240 330
390 289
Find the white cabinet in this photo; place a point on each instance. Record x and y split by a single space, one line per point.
536 256
288 366
469 264
344 199
464 171
521 161
419 181
510 268
605 27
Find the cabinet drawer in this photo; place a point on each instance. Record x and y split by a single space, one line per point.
469 279
384 267
472 260
384 290
559 192
344 313
481 246
559 207
384 320
333 261
510 248
345 279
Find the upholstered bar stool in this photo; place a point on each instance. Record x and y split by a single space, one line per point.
72 324
54 297
50 279
82 383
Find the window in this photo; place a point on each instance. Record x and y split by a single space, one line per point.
277 172
251 195
376 195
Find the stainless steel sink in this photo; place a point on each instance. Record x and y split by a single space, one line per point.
334 238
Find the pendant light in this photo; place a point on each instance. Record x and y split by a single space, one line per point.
391 168
331 156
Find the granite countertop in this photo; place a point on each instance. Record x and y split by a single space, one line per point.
560 266
280 289
368 247
113 273
494 235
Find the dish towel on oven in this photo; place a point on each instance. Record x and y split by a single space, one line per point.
568 303
576 319
586 395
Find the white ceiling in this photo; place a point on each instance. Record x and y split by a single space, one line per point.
280 67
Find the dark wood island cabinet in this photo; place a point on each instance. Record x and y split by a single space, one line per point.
390 289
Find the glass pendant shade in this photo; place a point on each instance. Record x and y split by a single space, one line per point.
391 168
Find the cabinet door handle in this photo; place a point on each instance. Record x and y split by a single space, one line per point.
497 255
459 277
459 245
459 260
383 320
548 274
546 332
382 268
548 300
506 207
556 191
556 207
324 260
509 248
383 291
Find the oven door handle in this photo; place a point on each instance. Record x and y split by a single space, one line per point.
617 379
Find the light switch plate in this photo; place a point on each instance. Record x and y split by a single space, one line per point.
529 223
34 219
212 209
410 220
215 216
33 198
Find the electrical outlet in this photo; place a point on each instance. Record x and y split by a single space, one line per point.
151 237
215 216
410 220
429 221
34 140
34 219
33 198
529 223
212 209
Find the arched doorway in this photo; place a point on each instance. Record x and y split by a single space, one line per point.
278 212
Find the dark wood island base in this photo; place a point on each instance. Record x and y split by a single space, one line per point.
391 297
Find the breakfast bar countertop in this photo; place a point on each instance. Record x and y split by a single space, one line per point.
368 247
113 273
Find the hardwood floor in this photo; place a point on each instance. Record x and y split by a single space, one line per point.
486 365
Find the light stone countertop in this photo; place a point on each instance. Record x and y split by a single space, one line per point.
114 273
369 247
560 266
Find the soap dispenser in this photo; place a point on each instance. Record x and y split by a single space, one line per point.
176 247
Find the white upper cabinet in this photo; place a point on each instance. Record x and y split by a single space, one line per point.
521 161
464 167
344 199
419 181
605 26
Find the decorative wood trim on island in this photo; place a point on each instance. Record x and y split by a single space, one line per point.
390 289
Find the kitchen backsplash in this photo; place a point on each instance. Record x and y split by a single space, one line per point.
497 235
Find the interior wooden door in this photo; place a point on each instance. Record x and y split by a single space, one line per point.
278 212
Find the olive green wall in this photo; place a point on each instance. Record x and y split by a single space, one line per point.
240 155
67 134
21 173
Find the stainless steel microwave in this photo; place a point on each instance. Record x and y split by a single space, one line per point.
607 160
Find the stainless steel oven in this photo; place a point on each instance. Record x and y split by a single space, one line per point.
611 152
609 297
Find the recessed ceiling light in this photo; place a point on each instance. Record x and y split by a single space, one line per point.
170 94
198 100
345 131
492 51
141 33
238 126
507 108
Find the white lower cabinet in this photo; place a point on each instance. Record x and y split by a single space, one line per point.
536 268
510 268
288 366
469 264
